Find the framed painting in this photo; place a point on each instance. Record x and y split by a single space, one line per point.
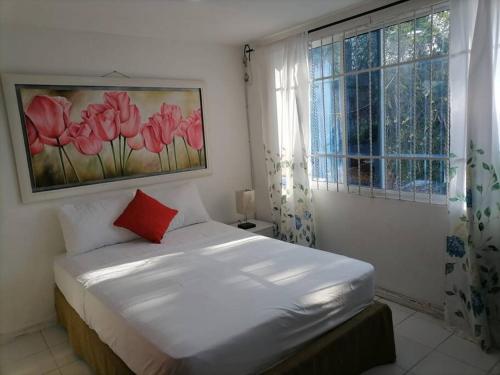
76 135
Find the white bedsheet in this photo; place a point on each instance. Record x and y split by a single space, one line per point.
211 299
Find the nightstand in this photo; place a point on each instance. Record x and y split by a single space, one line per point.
264 228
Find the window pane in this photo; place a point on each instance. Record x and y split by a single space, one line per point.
406 34
440 31
322 167
438 177
406 108
352 171
335 169
327 60
377 173
391 44
392 174
423 106
423 36
391 111
337 54
362 51
337 108
356 50
375 48
349 54
351 114
317 145
316 62
440 107
364 113
329 119
407 175
315 167
376 120
422 176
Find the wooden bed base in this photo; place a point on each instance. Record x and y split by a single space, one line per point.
362 342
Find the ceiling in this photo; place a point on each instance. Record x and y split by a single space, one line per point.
218 21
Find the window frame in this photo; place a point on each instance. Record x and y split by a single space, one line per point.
344 186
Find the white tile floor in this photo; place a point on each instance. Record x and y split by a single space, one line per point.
424 347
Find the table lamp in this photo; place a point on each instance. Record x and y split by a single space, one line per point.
245 205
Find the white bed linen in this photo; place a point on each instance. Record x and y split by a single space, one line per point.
211 299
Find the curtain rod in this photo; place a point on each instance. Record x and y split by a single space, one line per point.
357 16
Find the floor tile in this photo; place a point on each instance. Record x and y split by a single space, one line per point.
54 335
63 354
394 305
468 352
423 331
391 369
34 364
76 368
22 347
495 370
409 352
441 364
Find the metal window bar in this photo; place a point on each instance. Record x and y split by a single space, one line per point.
398 121
324 115
344 140
414 107
383 106
391 65
334 118
431 106
371 164
357 116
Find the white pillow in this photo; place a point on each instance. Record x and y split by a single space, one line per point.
186 199
89 225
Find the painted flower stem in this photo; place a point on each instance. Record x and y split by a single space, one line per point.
71 164
175 154
168 158
199 157
161 164
187 152
114 157
120 153
102 166
128 157
62 165
123 156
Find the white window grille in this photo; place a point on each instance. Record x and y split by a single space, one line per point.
380 109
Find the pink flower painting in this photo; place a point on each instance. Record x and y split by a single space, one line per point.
79 136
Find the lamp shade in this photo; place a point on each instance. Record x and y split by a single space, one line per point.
245 202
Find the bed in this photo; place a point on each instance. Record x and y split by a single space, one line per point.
214 299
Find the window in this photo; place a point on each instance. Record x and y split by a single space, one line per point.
379 109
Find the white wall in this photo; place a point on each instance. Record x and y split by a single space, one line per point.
29 233
405 241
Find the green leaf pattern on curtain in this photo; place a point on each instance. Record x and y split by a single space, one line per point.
473 250
291 198
472 299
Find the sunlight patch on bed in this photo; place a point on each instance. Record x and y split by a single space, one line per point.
215 249
323 296
108 273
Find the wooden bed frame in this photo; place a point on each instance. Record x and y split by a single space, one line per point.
362 342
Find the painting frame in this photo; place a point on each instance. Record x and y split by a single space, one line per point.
19 138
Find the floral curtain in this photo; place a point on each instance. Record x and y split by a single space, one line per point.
283 78
473 244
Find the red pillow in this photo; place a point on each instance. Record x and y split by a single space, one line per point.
146 217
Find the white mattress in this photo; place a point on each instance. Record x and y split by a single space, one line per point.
211 299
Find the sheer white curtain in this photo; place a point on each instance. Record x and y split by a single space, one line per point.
473 244
282 74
